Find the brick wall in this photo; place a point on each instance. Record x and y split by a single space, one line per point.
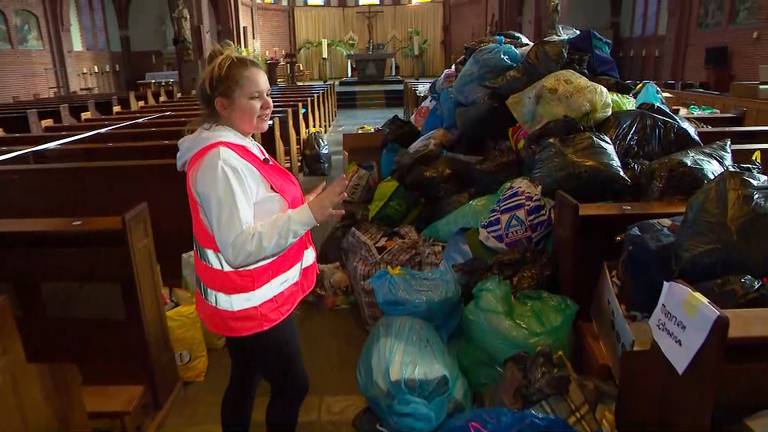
746 53
272 27
246 19
23 72
104 81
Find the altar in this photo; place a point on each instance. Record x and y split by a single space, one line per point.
371 66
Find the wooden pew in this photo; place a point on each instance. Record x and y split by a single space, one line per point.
730 364
77 153
755 110
91 296
36 396
717 120
104 188
114 135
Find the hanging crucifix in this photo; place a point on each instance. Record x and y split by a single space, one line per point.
369 16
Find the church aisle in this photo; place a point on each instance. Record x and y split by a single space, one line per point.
331 342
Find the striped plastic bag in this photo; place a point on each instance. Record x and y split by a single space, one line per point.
520 218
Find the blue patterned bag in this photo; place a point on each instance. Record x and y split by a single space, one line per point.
521 217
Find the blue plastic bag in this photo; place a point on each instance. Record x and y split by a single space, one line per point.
503 420
485 65
457 250
408 376
434 296
388 157
599 49
443 114
648 92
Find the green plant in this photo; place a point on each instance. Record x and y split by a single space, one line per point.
247 52
347 45
408 50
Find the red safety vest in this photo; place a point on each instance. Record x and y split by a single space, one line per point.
239 302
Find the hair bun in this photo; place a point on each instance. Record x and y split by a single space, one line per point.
225 49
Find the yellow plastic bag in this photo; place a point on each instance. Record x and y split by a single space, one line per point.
212 340
188 343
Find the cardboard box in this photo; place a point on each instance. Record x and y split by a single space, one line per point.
363 147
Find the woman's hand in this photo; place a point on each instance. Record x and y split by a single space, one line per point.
323 201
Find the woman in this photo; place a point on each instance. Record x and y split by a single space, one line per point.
254 256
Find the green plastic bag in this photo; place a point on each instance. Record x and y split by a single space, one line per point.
391 203
470 215
503 326
620 102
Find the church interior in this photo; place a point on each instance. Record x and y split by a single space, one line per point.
519 215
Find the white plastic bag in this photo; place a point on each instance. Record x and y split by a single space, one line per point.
563 93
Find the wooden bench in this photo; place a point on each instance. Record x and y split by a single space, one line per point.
36 396
412 98
103 188
731 364
88 292
755 110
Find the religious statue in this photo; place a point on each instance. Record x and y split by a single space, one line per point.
554 17
369 16
183 29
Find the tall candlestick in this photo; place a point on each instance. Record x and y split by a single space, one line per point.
416 45
325 48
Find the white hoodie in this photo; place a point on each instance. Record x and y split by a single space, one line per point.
249 220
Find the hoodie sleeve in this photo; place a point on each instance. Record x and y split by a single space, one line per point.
249 221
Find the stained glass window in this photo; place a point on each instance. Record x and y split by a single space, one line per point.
711 14
5 37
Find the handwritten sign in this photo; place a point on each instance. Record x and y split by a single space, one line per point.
680 323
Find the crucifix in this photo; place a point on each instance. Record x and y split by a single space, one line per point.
369 16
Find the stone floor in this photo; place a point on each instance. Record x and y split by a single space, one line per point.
331 343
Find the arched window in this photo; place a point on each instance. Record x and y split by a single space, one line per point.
27 30
368 2
5 37
74 27
315 2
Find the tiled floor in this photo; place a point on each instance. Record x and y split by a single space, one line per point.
331 343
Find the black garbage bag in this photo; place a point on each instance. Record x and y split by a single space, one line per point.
735 292
584 165
490 173
399 131
612 84
544 58
577 62
434 211
316 156
639 134
681 174
663 112
722 232
407 160
481 126
646 262
753 167
442 178
519 40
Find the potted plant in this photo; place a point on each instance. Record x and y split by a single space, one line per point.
415 49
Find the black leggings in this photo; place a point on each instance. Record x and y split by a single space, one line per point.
275 355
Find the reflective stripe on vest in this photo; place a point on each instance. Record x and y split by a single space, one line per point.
237 302
216 260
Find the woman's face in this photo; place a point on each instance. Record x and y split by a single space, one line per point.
249 109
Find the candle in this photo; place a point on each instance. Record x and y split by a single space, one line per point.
106 68
95 69
415 45
325 48
117 67
85 70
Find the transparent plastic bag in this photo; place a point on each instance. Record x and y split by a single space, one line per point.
408 376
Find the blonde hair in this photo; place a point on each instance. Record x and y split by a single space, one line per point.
223 74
